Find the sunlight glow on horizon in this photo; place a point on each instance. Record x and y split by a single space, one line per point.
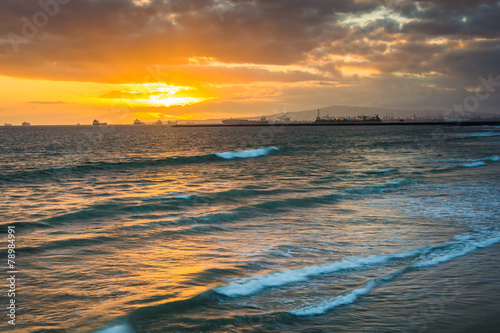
226 58
153 94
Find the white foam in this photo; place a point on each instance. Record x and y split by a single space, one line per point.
494 158
475 164
476 161
380 171
457 250
246 153
449 251
463 237
254 284
347 298
394 183
490 158
186 196
121 328
388 184
482 134
442 166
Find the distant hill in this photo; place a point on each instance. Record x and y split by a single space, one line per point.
343 111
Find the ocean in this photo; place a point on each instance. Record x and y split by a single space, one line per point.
288 229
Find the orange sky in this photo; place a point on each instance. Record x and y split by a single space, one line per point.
63 62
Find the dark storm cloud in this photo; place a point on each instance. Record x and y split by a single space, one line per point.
467 18
481 59
85 35
456 3
455 38
115 40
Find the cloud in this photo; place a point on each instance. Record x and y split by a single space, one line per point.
41 102
465 19
289 45
113 41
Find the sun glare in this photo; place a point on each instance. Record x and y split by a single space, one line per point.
153 95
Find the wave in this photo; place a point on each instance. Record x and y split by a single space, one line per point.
254 284
422 257
113 208
475 164
68 243
246 153
379 171
494 158
175 202
119 328
245 210
95 241
481 134
369 189
167 197
222 196
132 164
368 172
401 263
435 256
346 298
333 197
462 246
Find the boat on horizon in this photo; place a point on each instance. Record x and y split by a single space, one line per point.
97 123
26 124
7 124
138 122
233 121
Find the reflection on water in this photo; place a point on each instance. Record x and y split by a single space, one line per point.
163 229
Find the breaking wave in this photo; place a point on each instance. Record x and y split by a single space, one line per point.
133 164
246 153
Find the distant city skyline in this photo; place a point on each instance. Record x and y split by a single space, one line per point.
64 62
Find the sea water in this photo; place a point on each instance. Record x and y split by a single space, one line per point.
261 229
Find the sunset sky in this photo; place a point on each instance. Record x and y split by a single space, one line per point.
69 61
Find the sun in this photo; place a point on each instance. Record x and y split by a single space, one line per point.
161 94
151 95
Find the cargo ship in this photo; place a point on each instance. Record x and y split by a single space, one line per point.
97 123
26 124
138 122
233 121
